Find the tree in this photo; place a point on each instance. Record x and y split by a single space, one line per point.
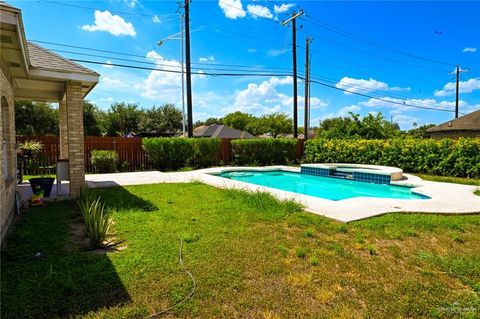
92 117
276 123
166 118
238 120
420 131
353 126
122 118
35 118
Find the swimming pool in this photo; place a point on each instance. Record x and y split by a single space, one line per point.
319 186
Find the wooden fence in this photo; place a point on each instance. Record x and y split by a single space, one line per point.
131 155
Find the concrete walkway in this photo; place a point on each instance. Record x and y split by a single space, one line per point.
445 198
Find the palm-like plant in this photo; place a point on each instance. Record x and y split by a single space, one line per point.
96 216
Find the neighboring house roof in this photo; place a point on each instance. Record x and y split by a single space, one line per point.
469 122
42 58
221 131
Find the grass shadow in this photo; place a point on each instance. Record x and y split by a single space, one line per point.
120 199
44 276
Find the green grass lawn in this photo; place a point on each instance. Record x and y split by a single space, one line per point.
251 256
448 179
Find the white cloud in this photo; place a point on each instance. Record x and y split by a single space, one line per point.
113 24
164 85
113 83
160 84
132 3
276 52
232 9
108 64
464 87
265 98
156 19
283 7
351 85
257 10
399 89
469 50
209 58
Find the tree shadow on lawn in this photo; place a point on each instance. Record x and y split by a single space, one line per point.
120 199
62 281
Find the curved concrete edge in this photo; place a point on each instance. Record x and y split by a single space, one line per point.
445 198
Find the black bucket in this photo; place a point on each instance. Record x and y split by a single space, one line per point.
42 183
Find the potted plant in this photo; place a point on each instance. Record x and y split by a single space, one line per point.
42 184
31 150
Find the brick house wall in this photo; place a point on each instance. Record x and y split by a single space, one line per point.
8 152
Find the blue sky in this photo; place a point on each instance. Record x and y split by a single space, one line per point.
400 51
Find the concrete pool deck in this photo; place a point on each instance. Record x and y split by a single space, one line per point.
445 198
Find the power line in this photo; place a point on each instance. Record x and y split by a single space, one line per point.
178 72
359 38
207 67
94 9
381 99
254 72
369 53
141 56
263 74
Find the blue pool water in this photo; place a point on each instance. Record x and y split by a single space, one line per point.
324 187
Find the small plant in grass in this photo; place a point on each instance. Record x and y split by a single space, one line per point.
301 252
342 229
309 232
371 250
104 161
314 261
359 239
96 217
458 239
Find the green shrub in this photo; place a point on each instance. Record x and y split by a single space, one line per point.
264 151
175 152
96 217
168 153
104 161
437 157
204 151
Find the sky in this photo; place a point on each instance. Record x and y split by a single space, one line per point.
393 57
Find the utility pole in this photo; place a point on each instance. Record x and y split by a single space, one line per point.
457 73
294 54
306 123
189 71
183 76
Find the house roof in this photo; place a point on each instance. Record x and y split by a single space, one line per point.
42 58
221 131
469 122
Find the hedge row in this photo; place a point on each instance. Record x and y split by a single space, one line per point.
104 161
267 151
170 153
438 157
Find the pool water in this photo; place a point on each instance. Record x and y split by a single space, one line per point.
318 186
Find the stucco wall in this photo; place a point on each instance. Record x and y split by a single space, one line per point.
7 181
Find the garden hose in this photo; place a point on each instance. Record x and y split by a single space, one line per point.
194 284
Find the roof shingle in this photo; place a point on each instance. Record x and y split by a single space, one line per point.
42 58
469 122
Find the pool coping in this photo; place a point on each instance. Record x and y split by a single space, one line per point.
444 198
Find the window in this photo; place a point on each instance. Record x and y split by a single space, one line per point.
6 141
